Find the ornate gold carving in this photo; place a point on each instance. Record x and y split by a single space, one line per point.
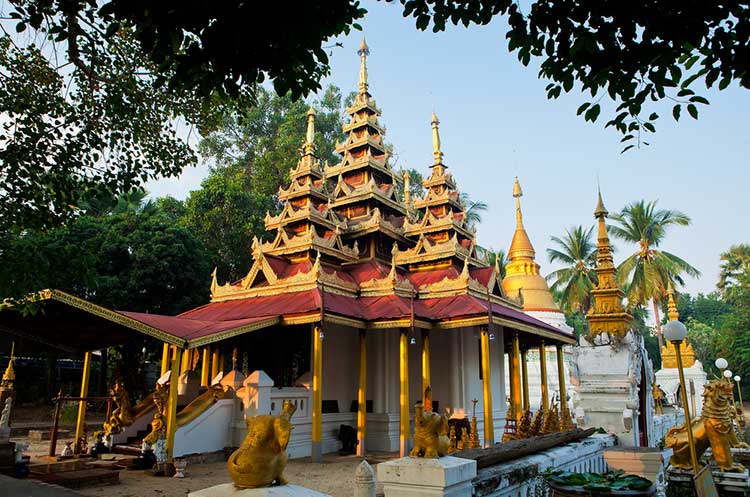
159 422
200 404
261 459
714 429
430 433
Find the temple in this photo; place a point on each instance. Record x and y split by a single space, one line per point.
353 297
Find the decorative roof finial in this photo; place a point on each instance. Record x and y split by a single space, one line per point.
672 312
437 154
518 193
600 211
309 146
10 374
363 52
407 184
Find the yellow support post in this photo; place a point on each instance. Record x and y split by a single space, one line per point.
516 378
164 359
511 393
362 394
205 363
81 420
172 407
214 362
187 356
543 374
525 379
404 393
561 377
489 430
317 400
425 362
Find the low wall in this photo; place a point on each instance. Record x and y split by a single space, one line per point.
518 478
663 422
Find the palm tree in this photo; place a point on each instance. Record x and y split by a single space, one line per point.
473 209
734 262
493 256
649 271
574 282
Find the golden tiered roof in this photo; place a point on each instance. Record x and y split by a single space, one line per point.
607 314
522 279
668 353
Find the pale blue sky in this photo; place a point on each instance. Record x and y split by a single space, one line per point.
496 123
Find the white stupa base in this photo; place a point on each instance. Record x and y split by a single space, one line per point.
411 476
229 490
669 381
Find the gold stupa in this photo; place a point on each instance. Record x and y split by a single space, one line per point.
522 272
668 354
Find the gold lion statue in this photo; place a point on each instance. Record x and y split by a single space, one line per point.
260 460
122 416
430 433
714 429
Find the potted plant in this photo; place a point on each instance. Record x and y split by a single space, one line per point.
615 484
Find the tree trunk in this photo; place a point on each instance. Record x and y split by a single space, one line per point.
657 319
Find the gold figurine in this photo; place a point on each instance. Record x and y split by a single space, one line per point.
430 433
474 436
524 426
658 400
714 429
159 423
452 440
261 459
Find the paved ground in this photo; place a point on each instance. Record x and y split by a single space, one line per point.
12 487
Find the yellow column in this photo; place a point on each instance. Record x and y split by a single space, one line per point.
205 363
525 379
425 362
186 359
172 405
214 362
81 421
317 407
165 359
516 379
489 430
561 378
404 392
362 394
543 374
511 393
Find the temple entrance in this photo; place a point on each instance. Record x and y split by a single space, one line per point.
642 403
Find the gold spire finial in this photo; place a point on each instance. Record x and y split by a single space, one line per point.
518 193
309 146
437 154
672 312
600 211
10 374
407 184
363 52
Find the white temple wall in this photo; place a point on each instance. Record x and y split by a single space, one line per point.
340 365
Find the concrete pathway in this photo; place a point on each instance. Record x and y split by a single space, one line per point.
13 487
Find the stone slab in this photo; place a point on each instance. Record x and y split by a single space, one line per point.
229 490
409 476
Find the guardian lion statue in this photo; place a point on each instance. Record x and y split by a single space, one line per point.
430 434
714 429
261 459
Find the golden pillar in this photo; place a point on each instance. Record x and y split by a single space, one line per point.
165 359
685 403
525 379
317 397
511 393
214 362
404 392
172 404
489 430
205 366
81 420
362 394
186 360
543 374
516 378
561 377
425 362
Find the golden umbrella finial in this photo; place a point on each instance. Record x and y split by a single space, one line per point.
309 146
437 153
672 312
363 52
517 194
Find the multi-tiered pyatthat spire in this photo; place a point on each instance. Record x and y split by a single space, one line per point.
668 353
364 194
440 229
522 279
607 314
307 224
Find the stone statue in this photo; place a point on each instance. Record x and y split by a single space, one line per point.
5 416
714 429
430 433
260 460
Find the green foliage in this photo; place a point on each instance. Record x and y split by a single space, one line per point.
572 284
598 482
635 53
473 209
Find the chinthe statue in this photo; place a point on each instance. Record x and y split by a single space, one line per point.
714 429
261 459
122 416
430 434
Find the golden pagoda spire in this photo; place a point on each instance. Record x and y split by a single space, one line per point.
672 312
668 353
522 272
363 52
309 146
607 314
437 153
407 184
10 375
